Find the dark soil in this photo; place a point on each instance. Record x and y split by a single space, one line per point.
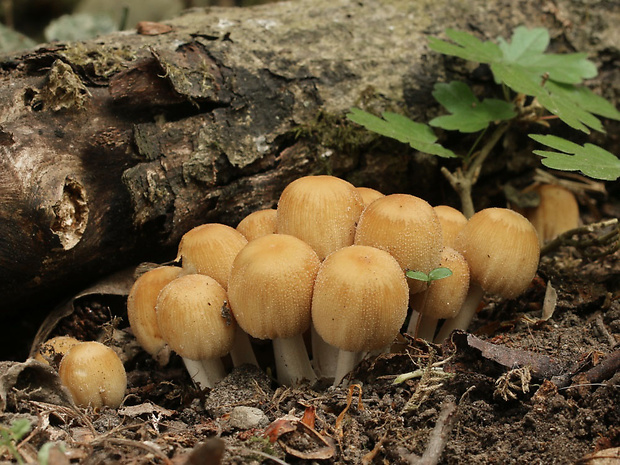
523 391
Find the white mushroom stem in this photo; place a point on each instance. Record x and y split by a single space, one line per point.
205 373
292 362
427 327
324 355
465 315
241 351
346 362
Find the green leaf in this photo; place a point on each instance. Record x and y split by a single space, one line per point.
419 136
419 275
522 65
20 428
468 113
439 273
591 160
584 98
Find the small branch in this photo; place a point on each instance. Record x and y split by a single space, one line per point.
611 239
439 436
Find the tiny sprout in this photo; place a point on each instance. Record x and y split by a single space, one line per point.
433 275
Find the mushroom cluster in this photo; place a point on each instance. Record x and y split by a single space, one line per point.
325 271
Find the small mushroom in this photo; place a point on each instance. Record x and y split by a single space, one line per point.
321 211
210 249
502 251
270 292
443 298
194 319
258 223
94 375
54 349
141 313
452 221
408 228
368 195
557 212
359 303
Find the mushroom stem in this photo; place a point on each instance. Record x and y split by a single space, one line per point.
292 362
241 351
346 362
205 373
465 315
324 355
427 327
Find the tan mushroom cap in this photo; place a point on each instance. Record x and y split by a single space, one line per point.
444 297
321 211
258 223
54 349
141 303
557 212
194 318
270 286
368 195
210 249
360 299
452 221
408 228
94 375
501 248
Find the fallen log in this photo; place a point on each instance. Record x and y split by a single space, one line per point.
111 149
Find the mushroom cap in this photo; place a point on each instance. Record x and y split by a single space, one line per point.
557 212
444 297
408 228
321 211
501 248
94 375
141 303
360 299
368 195
258 223
452 221
54 349
210 249
270 286
194 318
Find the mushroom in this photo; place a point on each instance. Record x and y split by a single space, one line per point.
141 313
321 211
94 375
359 303
443 298
270 292
502 251
52 350
556 213
210 249
195 321
408 228
368 195
452 221
258 223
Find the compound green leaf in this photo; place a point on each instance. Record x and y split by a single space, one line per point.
419 136
584 98
468 47
468 113
589 159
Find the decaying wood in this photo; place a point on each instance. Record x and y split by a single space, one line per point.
111 149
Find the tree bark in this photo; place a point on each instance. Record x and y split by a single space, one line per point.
111 149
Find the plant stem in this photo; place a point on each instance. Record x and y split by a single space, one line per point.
463 179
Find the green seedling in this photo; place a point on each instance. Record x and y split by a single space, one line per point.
537 87
433 275
10 436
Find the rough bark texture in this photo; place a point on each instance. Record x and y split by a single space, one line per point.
112 149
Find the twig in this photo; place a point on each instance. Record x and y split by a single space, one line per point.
566 238
439 436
